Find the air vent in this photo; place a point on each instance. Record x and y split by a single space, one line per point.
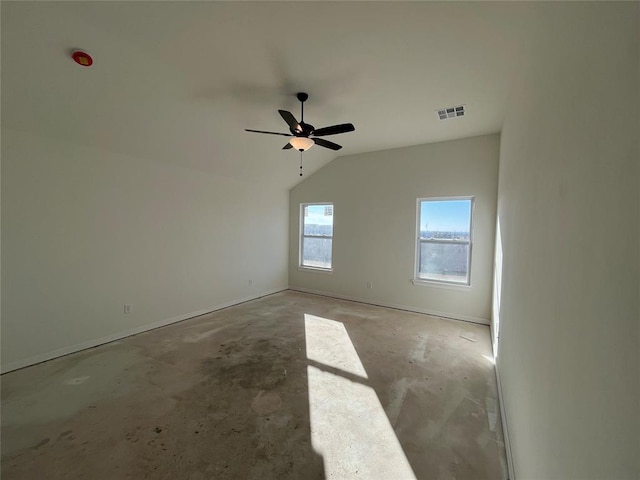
451 112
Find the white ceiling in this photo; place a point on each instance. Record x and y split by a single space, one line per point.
178 82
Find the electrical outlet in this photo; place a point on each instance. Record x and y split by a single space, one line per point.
250 282
127 309
369 285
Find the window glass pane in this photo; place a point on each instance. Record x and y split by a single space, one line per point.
444 262
445 219
318 220
316 252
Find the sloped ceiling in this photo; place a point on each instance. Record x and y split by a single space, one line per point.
179 81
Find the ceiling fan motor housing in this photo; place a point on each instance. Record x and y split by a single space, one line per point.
306 130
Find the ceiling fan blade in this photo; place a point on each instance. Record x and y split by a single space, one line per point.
291 120
270 133
334 129
326 143
287 146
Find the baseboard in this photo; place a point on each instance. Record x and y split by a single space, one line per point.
454 316
61 352
505 429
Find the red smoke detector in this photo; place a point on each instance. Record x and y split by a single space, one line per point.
82 58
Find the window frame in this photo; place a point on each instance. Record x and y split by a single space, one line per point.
417 280
302 236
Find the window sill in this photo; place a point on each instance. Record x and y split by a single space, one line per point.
315 269
432 283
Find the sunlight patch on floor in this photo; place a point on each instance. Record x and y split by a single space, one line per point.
349 427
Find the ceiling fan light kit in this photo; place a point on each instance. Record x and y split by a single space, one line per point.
301 144
303 135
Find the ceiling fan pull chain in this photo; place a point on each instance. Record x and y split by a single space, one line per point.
300 163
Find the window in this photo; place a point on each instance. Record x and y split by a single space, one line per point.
316 237
444 240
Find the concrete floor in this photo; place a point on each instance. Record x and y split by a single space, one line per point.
290 386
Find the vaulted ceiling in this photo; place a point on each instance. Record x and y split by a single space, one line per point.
179 81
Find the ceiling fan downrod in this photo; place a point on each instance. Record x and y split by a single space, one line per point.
302 97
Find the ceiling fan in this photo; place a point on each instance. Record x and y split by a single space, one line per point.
303 135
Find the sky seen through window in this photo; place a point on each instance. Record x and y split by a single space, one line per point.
445 216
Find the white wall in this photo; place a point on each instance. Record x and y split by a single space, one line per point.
374 196
86 231
569 218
